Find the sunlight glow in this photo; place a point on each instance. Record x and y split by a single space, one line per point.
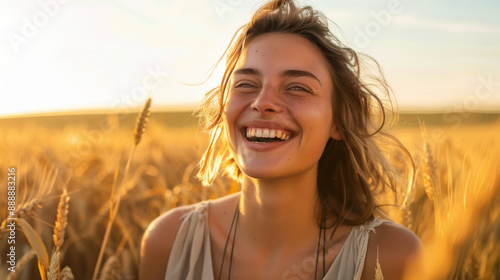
108 55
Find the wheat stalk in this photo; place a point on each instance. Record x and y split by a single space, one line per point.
429 165
142 121
54 266
67 274
61 221
29 208
469 225
473 265
408 219
21 264
127 264
430 173
111 269
140 128
26 209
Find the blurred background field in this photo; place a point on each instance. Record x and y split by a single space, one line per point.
454 207
64 56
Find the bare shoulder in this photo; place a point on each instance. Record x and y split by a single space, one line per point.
160 236
157 243
397 249
224 204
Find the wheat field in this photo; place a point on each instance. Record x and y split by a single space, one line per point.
86 189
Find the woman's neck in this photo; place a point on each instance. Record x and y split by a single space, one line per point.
279 216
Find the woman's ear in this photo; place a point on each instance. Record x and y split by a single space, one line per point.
335 133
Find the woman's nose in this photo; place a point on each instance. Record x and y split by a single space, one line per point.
267 101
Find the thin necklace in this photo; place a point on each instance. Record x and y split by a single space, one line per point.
321 229
235 221
235 224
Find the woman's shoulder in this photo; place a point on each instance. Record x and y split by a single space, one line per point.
161 233
393 247
158 240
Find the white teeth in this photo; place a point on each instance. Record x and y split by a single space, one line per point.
258 133
266 133
250 132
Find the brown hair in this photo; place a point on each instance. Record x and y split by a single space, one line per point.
350 170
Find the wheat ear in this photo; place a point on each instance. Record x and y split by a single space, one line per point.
111 269
67 274
473 266
54 266
408 219
29 208
61 221
142 121
25 210
140 128
430 172
21 264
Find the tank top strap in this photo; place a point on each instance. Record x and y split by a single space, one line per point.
190 257
370 226
365 231
350 260
200 211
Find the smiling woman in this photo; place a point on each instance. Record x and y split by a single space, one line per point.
280 89
294 123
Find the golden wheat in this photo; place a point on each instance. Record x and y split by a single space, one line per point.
31 201
465 191
29 208
61 221
111 269
472 270
142 121
21 264
140 128
54 266
66 274
429 172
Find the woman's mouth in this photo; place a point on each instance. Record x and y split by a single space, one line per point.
266 135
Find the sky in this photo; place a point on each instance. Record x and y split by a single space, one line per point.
78 55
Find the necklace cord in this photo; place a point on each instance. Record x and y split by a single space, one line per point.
322 229
234 223
324 245
232 246
235 218
317 255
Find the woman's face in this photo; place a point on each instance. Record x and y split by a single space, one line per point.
278 116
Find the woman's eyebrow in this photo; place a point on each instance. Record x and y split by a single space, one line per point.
285 73
299 73
247 71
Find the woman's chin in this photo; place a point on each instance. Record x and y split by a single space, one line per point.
263 173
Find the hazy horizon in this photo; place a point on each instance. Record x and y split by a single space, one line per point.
105 55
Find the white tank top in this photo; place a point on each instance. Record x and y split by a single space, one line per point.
190 258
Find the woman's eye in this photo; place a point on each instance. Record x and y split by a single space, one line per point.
299 88
242 85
